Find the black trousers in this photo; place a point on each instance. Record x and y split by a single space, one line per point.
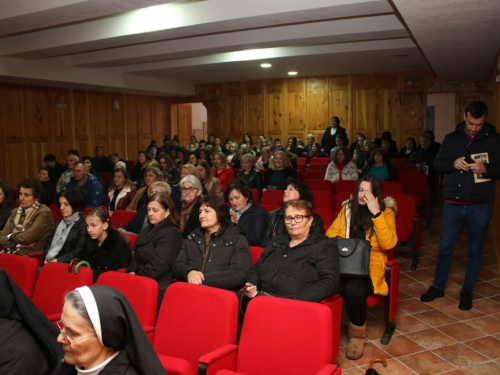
354 292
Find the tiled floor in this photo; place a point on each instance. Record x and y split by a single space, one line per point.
436 337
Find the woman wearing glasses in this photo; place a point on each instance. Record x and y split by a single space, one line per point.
189 206
300 264
100 333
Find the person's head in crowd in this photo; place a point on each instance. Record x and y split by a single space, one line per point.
98 222
80 172
120 164
166 162
270 143
425 141
182 155
240 152
191 147
87 162
71 201
281 160
218 142
265 153
316 148
204 170
193 157
172 151
74 152
71 160
310 140
214 213
193 139
341 155
202 143
247 138
43 175
152 150
431 134
159 187
380 156
339 140
143 158
292 142
262 137
191 189
300 142
5 197
152 174
190 169
160 208
367 144
296 189
247 162
206 155
277 143
120 179
360 138
114 158
99 152
410 143
387 136
175 140
30 191
238 194
386 144
50 160
153 164
211 139
258 143
233 147
220 161
334 121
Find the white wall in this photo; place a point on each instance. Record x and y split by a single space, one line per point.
444 114
199 115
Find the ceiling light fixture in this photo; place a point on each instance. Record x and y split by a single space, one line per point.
292 73
265 65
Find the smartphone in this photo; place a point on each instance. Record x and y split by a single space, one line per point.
469 160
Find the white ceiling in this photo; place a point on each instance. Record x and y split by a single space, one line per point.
166 47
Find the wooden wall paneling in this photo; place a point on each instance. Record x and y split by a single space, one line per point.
117 129
461 101
318 112
340 104
81 121
413 115
37 122
132 126
62 126
100 107
161 110
389 113
216 118
185 123
296 106
365 106
145 110
236 110
255 108
275 104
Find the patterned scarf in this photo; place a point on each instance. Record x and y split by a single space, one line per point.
235 215
28 213
186 211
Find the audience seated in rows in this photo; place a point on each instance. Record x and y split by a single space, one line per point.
341 167
280 171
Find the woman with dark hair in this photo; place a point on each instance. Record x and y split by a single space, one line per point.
158 244
275 220
120 193
182 156
247 139
380 166
249 174
369 217
69 239
100 334
302 264
170 172
217 253
106 248
265 158
141 198
280 170
409 148
212 184
140 167
87 162
245 211
205 154
28 226
329 136
316 152
6 204
293 147
341 167
193 158
49 188
222 171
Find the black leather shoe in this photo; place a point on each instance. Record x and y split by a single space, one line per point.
431 294
465 301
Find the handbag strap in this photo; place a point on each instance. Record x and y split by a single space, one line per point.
347 219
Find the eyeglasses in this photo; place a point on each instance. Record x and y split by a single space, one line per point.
61 329
298 219
188 190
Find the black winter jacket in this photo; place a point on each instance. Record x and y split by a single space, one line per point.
254 221
76 242
228 258
112 255
460 184
255 178
307 272
275 225
155 251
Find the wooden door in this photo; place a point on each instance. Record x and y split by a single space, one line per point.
181 122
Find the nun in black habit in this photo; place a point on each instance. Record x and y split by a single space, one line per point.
27 338
100 333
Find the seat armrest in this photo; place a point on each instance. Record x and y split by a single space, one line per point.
329 370
218 359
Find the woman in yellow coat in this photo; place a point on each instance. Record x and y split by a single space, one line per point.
367 216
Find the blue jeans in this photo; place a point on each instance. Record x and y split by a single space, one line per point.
476 218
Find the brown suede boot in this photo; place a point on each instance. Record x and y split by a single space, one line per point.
356 341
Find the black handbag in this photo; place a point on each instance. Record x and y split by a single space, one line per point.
354 257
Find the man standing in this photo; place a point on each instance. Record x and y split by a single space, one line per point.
469 194
89 186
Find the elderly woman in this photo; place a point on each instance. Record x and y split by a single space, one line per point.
278 173
6 204
140 199
369 217
189 204
49 188
120 193
222 171
380 166
69 239
275 224
158 245
140 168
100 333
341 167
217 253
265 157
409 149
249 174
301 264
65 177
211 184
30 225
245 211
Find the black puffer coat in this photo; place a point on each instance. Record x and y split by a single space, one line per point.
76 242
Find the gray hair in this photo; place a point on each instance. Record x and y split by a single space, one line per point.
310 136
195 181
248 157
162 185
76 301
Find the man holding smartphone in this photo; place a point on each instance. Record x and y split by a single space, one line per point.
469 196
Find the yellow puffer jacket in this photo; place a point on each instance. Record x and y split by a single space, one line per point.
384 238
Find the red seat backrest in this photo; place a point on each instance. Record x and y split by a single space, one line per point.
318 167
272 197
391 187
407 210
316 160
346 185
255 252
23 270
314 175
56 212
121 217
256 195
327 216
323 199
415 183
319 185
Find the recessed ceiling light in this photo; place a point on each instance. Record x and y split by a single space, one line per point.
292 73
265 65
